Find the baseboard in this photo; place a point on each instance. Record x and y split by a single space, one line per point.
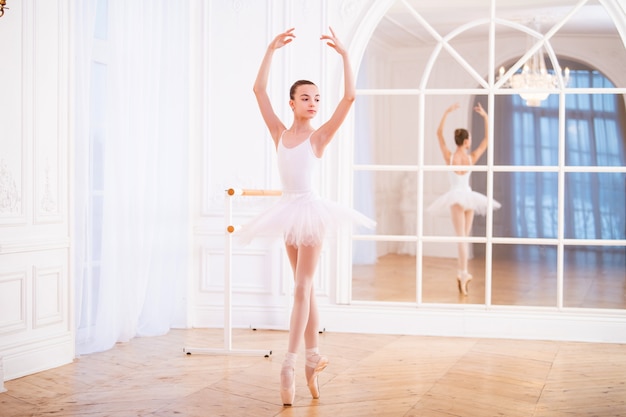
38 356
580 325
600 326
2 389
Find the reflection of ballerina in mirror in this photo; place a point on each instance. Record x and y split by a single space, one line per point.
461 200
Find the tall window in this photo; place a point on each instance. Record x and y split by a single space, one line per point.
595 137
97 121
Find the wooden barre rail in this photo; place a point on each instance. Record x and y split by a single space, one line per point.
252 192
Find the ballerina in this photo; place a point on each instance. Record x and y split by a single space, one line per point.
301 216
461 200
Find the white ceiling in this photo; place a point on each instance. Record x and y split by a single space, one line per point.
401 28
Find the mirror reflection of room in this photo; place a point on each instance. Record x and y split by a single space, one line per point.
553 168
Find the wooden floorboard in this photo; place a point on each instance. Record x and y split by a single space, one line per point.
516 281
368 375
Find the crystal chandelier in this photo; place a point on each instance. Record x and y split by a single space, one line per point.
535 76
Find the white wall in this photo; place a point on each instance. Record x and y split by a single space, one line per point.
36 326
236 150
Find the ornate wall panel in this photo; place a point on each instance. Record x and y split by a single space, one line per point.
48 145
12 300
35 296
49 287
12 147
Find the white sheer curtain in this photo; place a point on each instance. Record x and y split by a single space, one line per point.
139 238
84 25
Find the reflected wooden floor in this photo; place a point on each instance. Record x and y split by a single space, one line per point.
368 375
589 282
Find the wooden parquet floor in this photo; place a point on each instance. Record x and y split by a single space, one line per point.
368 375
526 281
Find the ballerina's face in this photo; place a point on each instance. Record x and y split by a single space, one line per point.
306 101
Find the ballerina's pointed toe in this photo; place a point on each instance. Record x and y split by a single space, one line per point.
318 364
287 386
463 278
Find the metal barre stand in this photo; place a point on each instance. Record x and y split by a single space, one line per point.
230 229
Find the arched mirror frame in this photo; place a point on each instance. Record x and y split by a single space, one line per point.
491 89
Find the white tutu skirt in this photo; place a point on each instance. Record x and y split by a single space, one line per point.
466 198
301 219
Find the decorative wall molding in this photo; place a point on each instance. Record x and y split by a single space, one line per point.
50 114
213 271
10 199
350 8
48 289
273 317
211 275
34 245
48 203
13 286
238 5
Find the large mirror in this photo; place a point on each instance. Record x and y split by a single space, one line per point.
553 174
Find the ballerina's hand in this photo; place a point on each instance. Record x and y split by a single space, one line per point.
453 108
479 109
283 39
334 42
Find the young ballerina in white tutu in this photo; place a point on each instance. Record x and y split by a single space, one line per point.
301 216
461 200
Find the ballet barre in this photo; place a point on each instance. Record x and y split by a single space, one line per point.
250 192
228 249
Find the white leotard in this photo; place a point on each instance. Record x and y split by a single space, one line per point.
297 166
301 216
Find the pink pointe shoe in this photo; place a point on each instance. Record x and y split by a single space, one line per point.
287 385
463 279
315 364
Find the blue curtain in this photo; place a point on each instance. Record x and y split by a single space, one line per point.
595 203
